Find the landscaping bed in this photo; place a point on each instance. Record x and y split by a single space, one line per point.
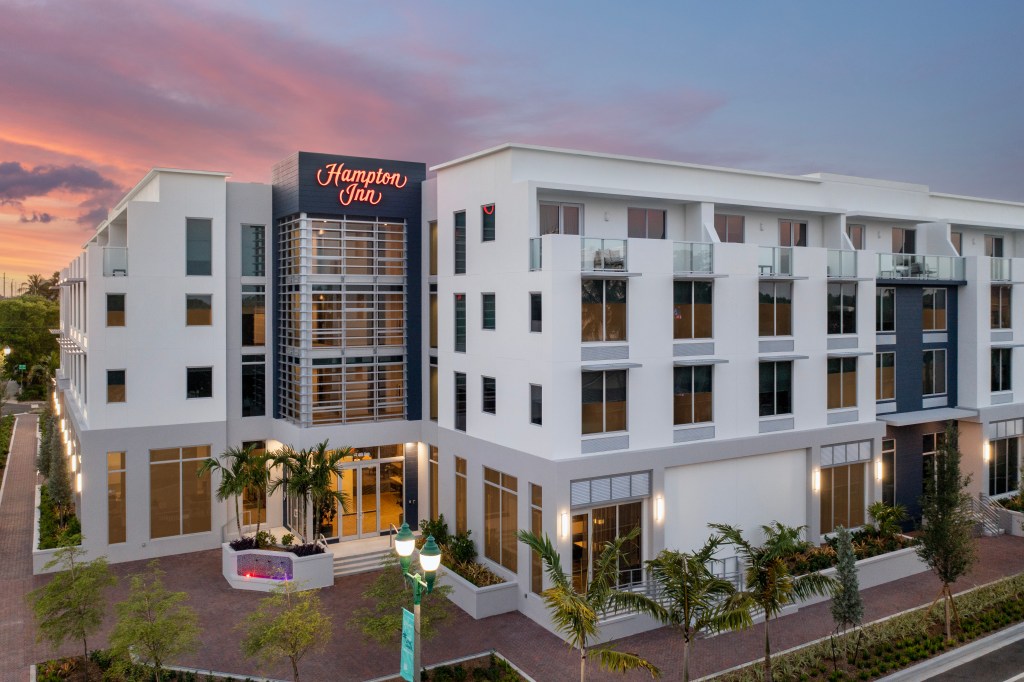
55 523
486 667
101 663
6 430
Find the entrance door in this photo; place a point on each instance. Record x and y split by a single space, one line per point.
593 529
374 492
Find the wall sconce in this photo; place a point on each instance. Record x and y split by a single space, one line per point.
986 451
63 424
67 448
659 508
816 480
565 525
74 464
78 483
878 470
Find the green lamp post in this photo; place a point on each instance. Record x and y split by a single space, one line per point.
430 560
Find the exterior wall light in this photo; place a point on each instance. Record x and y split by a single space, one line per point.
816 480
659 508
78 482
986 451
565 525
74 464
878 470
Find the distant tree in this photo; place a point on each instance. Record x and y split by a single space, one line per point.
382 622
37 285
25 325
947 523
847 606
286 625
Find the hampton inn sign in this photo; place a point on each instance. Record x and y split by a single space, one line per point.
358 185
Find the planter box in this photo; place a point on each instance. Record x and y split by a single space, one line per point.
481 602
879 570
252 569
1011 521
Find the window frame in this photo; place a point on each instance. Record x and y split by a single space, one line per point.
189 298
536 306
774 389
680 316
999 484
1001 370
260 244
884 314
123 385
775 305
945 376
903 233
957 240
251 361
792 233
252 292
861 230
1001 306
189 372
561 205
486 217
994 243
604 402
488 395
459 255
193 243
123 311
725 231
842 365
634 213
506 488
459 319
934 309
880 367
692 370
602 324
484 298
536 405
461 402
838 319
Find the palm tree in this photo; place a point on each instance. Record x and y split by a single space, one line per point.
233 473
694 598
770 587
257 478
309 475
37 285
576 615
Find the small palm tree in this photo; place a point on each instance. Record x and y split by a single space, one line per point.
309 475
576 614
257 478
694 598
233 474
770 586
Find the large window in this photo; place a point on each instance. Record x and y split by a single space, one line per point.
179 498
536 405
433 393
1000 306
536 312
433 248
198 246
603 305
604 401
254 315
1002 364
460 401
537 528
729 228
775 393
116 391
593 529
487 223
993 246
489 387
934 374
885 309
461 490
254 385
842 383
254 502
253 251
460 243
903 240
889 471
934 314
957 240
460 323
500 522
115 310
885 376
856 234
434 482
198 310
692 399
842 496
489 312
646 223
433 320
792 233
117 515
1003 466
560 218
842 308
775 309
691 310
930 444
199 382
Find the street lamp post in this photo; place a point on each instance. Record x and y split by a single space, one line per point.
430 560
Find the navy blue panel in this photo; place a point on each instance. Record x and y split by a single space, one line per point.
412 487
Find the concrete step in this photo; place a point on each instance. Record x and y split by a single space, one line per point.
358 563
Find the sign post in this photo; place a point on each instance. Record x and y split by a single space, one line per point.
408 646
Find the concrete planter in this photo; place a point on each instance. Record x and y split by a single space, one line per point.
481 602
251 569
879 570
1011 521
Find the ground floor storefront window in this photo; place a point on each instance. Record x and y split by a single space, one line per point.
843 485
1003 466
592 528
179 499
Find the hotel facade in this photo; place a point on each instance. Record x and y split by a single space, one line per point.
574 343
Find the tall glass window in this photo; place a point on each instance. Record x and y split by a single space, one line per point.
116 392
885 376
461 491
254 315
904 240
792 233
460 323
842 495
856 235
775 381
934 375
434 478
117 515
433 393
487 306
889 471
536 314
603 306
179 499
692 402
537 528
775 309
433 321
691 310
993 246
536 405
1003 466
489 389
500 524
460 243
1000 306
934 317
487 223
842 382
254 380
433 248
254 251
1002 365
885 309
460 401
604 401
198 246
842 308
115 310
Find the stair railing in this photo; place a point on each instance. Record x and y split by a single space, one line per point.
392 532
986 510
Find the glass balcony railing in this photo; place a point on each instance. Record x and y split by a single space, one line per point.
1000 269
603 255
535 253
842 263
914 266
774 261
115 261
692 257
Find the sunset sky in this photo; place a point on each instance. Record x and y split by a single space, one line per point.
95 92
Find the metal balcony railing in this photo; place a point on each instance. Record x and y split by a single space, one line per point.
842 263
603 255
914 266
535 253
773 261
1000 269
692 257
115 261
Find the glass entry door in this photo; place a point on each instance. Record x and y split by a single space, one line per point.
374 493
593 529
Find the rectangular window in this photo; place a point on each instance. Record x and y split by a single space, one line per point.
792 233
604 401
934 381
460 401
460 243
1000 306
199 382
930 444
775 391
856 235
692 400
560 218
461 488
603 306
842 383
490 395
116 386
889 471
729 228
253 251
179 499
433 321
885 309
535 312
885 376
645 223
842 308
1003 466
434 479
432 228
460 323
842 496
487 223
254 315
489 314
117 515
115 310
1002 364
957 240
993 246
537 528
536 405
254 385
198 246
775 309
198 310
934 316
433 393
903 240
691 310
500 522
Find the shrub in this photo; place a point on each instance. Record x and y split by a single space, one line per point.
55 528
245 542
265 539
287 539
461 548
437 527
306 550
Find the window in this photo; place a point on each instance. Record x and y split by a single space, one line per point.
253 251
199 382
1000 306
115 310
729 228
930 444
903 240
645 223
460 323
254 315
957 240
198 246
500 523
434 470
535 312
934 372
198 310
537 528
842 496
487 223
691 311
692 400
885 309
856 235
889 471
560 218
792 233
775 309
490 395
604 401
487 306
842 308
460 401
1003 466
433 393
117 515
460 243
116 386
432 227
885 376
461 488
775 394
592 529
433 321
934 317
603 309
1002 364
536 405
842 383
254 381
993 246
179 499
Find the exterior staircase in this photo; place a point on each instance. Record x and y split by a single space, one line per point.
987 516
349 564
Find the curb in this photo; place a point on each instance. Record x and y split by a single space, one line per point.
958 656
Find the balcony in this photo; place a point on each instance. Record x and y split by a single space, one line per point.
914 266
692 257
842 264
603 255
535 253
775 261
115 261
1000 269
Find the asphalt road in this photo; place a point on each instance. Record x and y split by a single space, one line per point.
1002 665
20 408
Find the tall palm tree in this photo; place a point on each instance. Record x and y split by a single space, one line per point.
694 598
257 478
309 475
770 587
233 474
576 614
37 285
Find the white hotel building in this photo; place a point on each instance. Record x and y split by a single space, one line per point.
570 342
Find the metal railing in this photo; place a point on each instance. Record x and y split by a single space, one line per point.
115 261
536 253
392 532
1000 269
774 261
692 257
603 255
842 263
321 541
915 266
987 514
633 580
